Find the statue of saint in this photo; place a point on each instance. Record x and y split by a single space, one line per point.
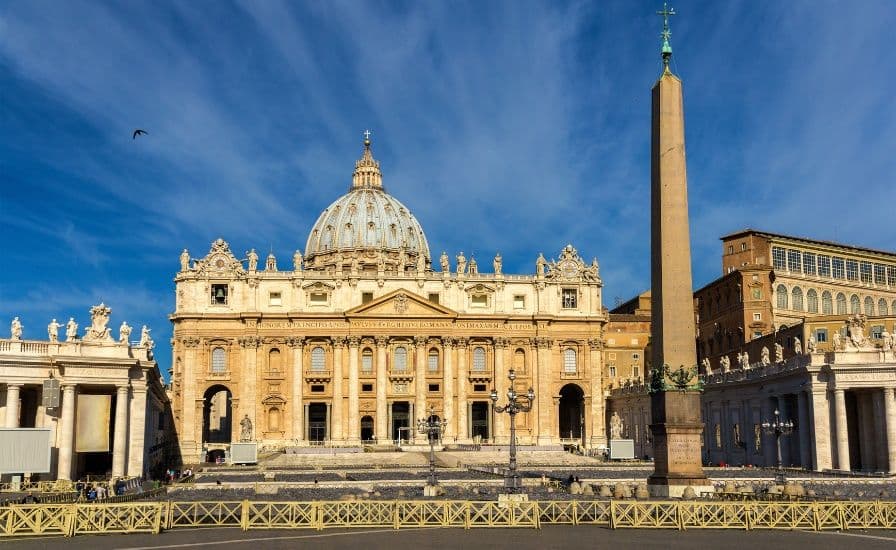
765 360
145 340
838 344
402 258
496 263
71 330
338 259
779 353
15 328
443 262
461 263
253 260
53 330
185 260
745 360
797 346
355 265
540 264
421 263
246 429
886 341
811 345
297 261
615 426
707 367
124 332
725 363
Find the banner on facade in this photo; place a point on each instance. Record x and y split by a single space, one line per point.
92 431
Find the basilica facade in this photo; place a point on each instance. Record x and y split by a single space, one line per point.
367 332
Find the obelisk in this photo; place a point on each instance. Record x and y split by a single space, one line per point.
675 391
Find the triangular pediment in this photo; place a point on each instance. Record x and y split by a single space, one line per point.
400 303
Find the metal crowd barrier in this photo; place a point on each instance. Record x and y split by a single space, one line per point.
153 517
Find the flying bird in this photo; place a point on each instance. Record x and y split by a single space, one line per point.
139 132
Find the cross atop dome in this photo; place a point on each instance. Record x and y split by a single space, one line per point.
367 173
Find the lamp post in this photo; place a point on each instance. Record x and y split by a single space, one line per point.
431 427
516 403
778 427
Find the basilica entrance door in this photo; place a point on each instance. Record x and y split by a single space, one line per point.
401 422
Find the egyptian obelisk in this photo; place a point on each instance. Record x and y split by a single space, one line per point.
675 401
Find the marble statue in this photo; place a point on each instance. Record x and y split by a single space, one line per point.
71 330
461 263
124 332
15 328
246 429
297 260
765 359
592 272
145 340
421 263
271 263
53 330
443 262
725 363
837 341
402 258
811 345
474 267
253 260
355 265
707 368
497 263
185 260
797 346
886 340
540 264
779 353
615 426
856 331
337 260
99 318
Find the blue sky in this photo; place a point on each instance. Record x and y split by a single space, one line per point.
514 127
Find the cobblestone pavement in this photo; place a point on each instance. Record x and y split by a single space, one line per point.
549 537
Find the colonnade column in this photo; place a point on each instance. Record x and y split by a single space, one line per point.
382 431
890 419
137 423
448 389
354 422
803 425
66 433
298 385
119 443
500 381
463 428
336 421
543 397
420 410
12 405
866 431
842 435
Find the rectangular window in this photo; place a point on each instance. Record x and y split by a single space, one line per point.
366 297
743 246
808 263
730 249
367 362
837 268
612 371
366 387
478 387
877 332
757 316
636 371
219 294
432 362
757 293
794 261
821 335
433 297
317 298
479 300
433 388
519 302
891 275
634 341
880 274
275 299
852 270
865 271
570 298
824 266
317 388
778 257
636 356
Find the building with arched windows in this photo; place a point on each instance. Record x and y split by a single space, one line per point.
362 335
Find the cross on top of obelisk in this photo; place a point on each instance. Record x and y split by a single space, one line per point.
666 34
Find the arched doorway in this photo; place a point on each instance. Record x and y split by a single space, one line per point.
217 416
367 428
572 412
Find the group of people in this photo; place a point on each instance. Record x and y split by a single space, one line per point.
100 491
173 476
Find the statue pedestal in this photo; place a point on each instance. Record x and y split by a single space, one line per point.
677 435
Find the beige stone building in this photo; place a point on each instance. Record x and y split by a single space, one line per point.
361 335
109 414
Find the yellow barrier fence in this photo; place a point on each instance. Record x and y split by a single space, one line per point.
152 517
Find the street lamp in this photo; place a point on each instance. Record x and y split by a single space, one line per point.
516 403
778 427
432 427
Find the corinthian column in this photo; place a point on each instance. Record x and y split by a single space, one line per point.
66 433
338 345
382 430
298 384
598 433
420 385
463 429
119 445
448 389
890 420
354 422
544 418
500 433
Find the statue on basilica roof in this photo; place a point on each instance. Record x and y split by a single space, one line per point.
15 329
461 263
496 263
297 261
253 259
53 330
443 262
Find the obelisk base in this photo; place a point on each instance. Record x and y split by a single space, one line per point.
677 445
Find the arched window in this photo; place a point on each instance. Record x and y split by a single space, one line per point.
367 360
401 359
782 297
219 360
478 359
882 307
841 303
519 360
812 301
274 360
854 306
569 361
432 360
318 359
827 304
869 306
797 298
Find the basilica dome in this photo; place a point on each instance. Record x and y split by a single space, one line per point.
367 227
